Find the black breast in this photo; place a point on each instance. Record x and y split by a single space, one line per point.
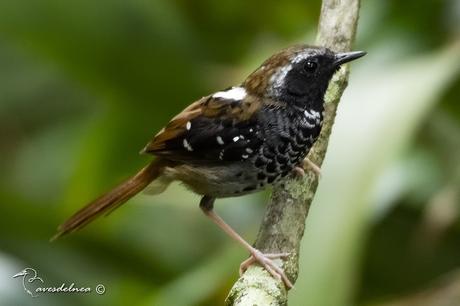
287 138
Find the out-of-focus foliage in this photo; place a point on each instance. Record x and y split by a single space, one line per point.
85 84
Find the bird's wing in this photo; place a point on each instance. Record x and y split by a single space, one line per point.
213 129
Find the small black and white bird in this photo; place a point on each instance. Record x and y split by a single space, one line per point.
237 141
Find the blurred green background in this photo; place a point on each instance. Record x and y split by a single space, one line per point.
85 84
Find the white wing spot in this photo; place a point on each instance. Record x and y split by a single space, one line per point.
188 126
187 145
236 138
234 93
241 136
220 140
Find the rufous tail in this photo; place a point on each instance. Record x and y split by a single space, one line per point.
112 199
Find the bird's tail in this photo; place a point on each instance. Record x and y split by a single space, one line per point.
112 199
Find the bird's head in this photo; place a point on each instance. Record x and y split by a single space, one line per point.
297 75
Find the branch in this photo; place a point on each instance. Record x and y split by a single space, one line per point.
284 221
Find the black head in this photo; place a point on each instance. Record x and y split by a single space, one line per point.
298 75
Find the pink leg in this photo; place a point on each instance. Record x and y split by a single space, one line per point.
300 171
309 164
265 260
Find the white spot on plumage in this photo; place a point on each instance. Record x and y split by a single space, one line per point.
315 113
187 145
251 130
308 124
234 93
277 79
300 57
220 140
312 114
308 114
249 150
241 136
188 126
244 156
236 138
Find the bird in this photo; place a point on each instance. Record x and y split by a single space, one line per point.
236 141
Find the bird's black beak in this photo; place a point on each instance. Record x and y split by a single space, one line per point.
345 57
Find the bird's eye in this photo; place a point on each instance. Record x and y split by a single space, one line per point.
310 66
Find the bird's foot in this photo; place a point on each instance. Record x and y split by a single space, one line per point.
266 261
314 167
300 171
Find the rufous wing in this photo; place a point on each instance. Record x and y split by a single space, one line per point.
207 130
176 127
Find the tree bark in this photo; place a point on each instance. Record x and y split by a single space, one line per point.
284 221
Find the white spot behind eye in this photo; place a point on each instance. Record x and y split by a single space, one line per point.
188 125
236 138
220 140
277 79
234 93
187 145
301 56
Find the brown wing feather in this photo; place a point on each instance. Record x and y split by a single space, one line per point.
174 128
208 107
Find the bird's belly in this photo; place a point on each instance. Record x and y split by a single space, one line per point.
229 180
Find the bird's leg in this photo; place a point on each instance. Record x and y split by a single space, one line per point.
305 165
265 260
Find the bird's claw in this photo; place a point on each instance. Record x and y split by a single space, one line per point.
307 164
299 171
266 261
